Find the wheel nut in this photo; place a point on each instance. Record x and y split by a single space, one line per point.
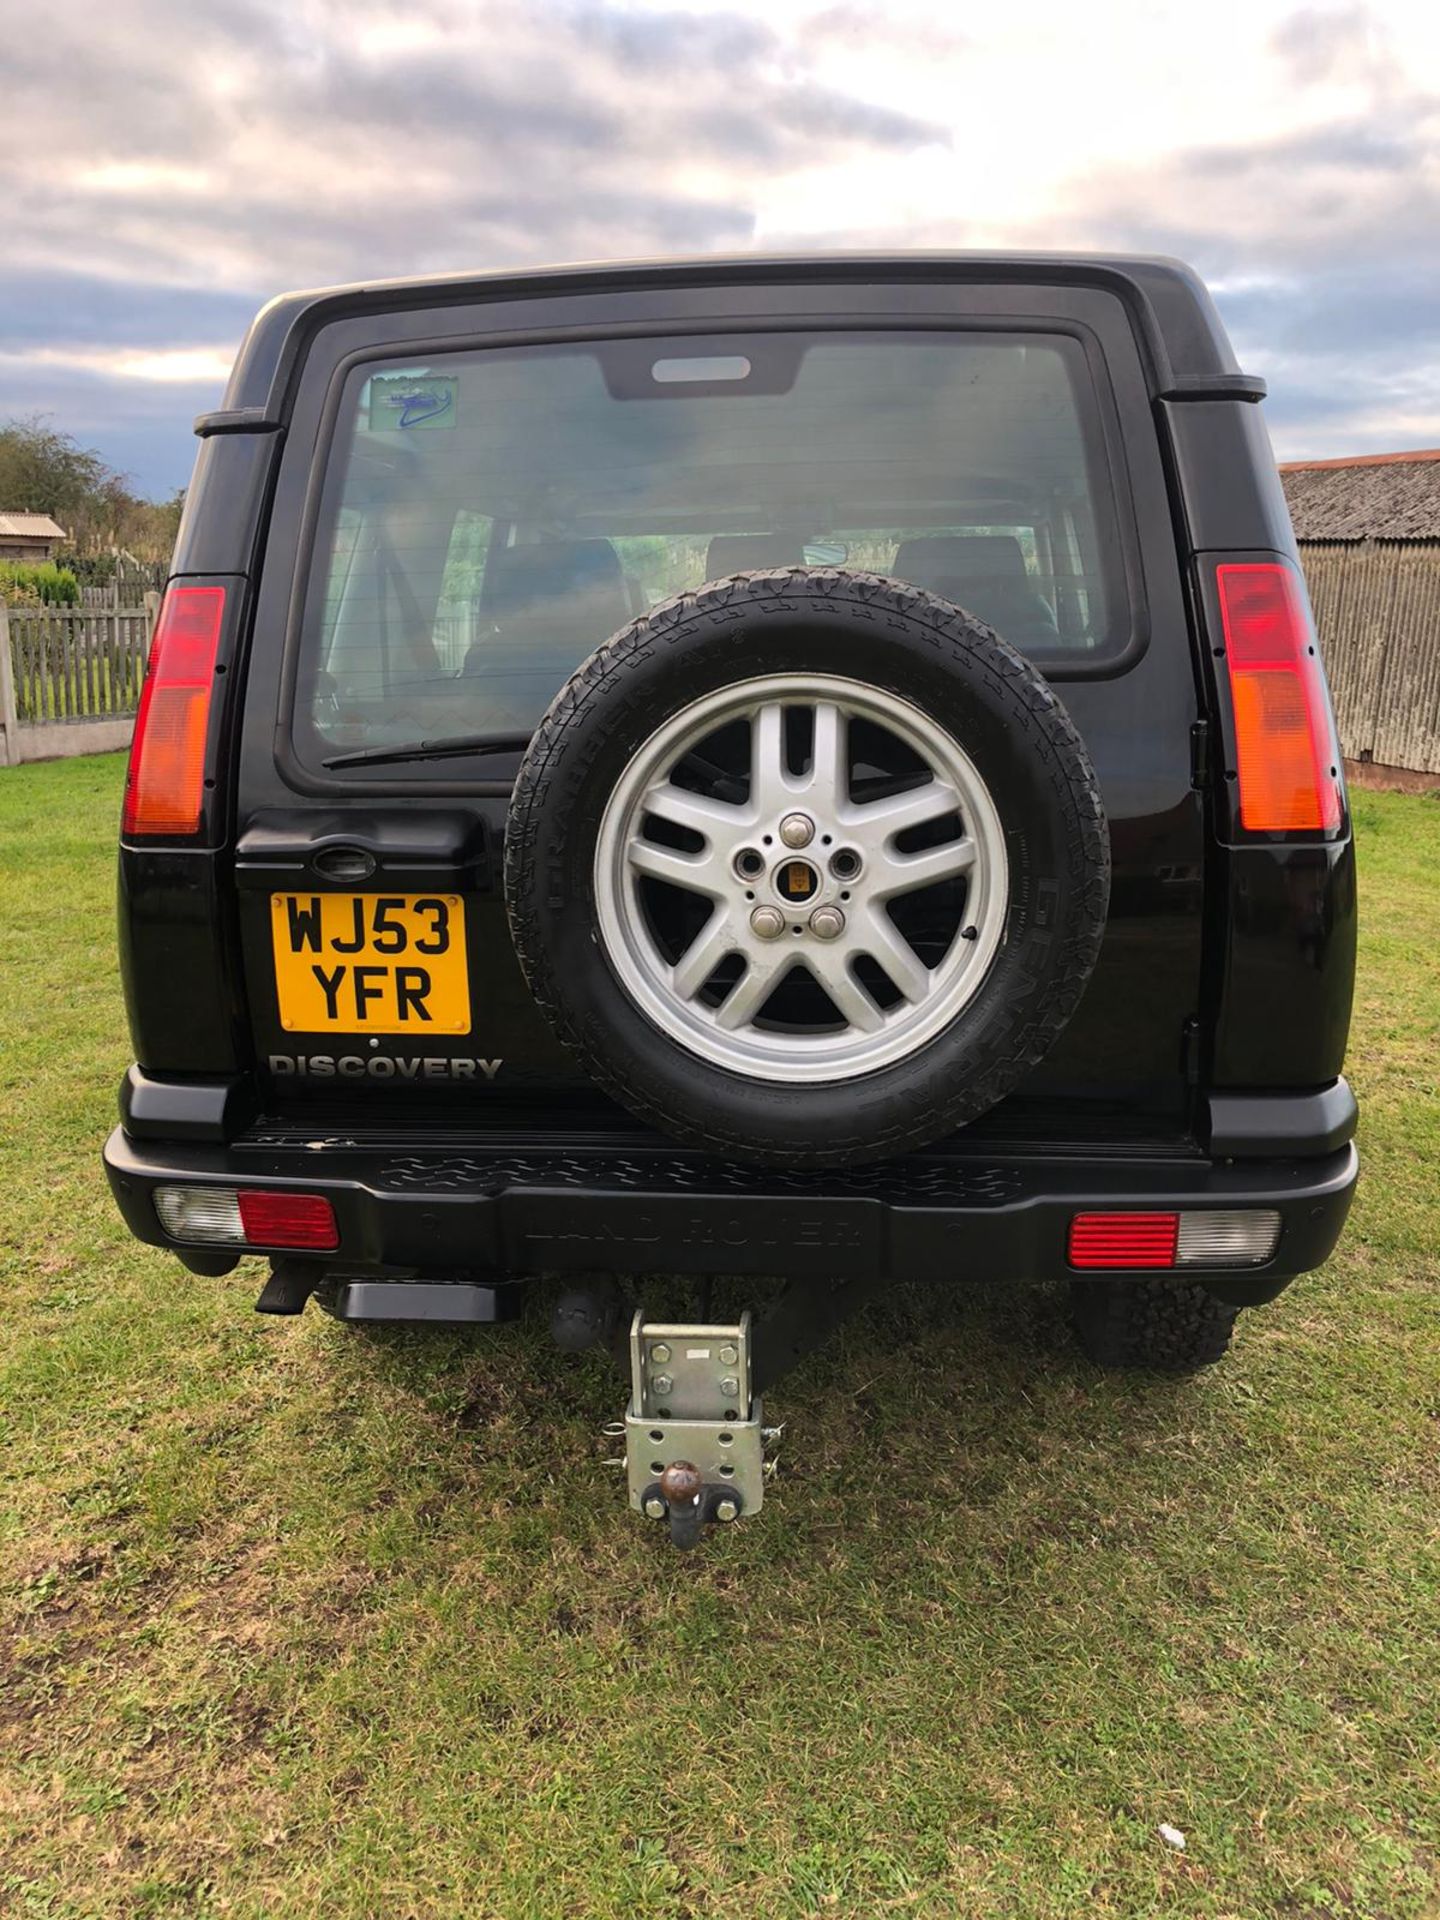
796 830
655 1508
827 923
768 922
727 1510
660 1354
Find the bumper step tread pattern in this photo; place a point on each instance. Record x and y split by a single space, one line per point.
954 1186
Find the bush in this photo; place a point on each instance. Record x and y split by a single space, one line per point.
90 569
45 585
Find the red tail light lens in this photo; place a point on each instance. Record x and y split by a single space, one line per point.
288 1220
165 787
1124 1239
1286 755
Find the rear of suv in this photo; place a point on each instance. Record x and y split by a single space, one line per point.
814 768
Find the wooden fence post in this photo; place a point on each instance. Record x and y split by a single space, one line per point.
9 745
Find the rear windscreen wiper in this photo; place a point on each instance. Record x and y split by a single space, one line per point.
432 749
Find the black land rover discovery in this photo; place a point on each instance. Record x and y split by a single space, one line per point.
813 768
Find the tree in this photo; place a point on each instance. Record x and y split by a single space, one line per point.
43 470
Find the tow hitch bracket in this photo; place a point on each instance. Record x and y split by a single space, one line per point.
694 1449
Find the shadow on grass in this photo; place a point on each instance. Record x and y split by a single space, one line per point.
952 1390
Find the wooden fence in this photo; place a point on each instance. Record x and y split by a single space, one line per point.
1377 606
70 678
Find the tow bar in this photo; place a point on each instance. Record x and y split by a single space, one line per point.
693 1430
694 1447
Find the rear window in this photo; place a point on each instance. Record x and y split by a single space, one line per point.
490 517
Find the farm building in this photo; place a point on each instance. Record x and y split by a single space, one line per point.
1369 533
31 537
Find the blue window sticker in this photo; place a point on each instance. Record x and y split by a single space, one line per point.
403 402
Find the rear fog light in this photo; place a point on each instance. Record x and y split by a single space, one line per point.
227 1216
1111 1242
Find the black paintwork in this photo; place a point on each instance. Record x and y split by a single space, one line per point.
1228 963
656 1209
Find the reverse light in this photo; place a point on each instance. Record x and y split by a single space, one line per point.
1244 1237
201 1213
1208 1237
1286 756
244 1217
165 785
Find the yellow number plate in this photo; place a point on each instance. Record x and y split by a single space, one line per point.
370 963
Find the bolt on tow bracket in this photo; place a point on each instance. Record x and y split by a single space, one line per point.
694 1450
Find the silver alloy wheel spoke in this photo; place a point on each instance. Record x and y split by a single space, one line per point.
767 759
846 994
805 907
714 943
828 784
909 871
693 811
699 872
881 939
763 973
918 807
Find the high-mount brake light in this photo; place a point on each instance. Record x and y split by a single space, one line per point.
1286 756
165 786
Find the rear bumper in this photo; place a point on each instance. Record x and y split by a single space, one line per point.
651 1209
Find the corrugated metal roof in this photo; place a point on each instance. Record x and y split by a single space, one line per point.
29 526
1388 496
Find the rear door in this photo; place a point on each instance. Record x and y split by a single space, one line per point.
468 503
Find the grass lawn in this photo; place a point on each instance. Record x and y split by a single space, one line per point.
298 1622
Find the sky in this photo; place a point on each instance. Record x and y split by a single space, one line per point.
167 165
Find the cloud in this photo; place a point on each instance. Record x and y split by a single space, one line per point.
343 142
199 158
1319 242
44 308
1318 44
202 158
867 29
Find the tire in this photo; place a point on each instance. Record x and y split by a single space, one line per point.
1160 1325
822 1094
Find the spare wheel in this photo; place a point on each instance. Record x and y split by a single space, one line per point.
808 867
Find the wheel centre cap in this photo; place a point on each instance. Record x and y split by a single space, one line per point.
796 881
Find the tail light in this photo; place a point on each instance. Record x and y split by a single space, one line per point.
1199 1237
165 787
245 1217
1123 1239
1286 755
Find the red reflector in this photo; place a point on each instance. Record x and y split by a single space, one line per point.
288 1220
1286 755
165 786
1124 1239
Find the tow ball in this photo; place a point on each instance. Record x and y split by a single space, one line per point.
694 1446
